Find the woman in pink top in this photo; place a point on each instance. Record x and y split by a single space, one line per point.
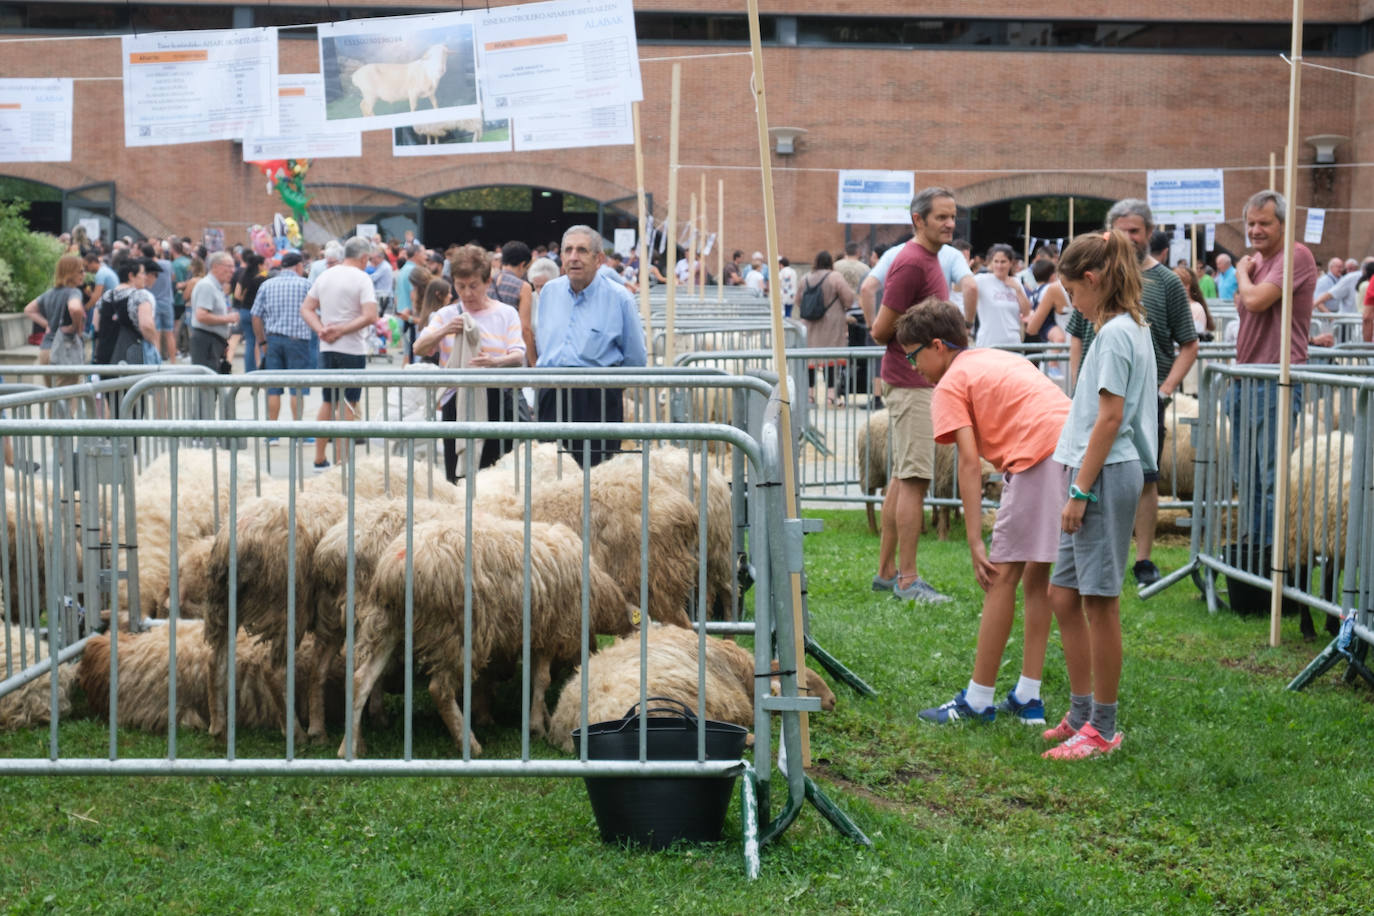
502 346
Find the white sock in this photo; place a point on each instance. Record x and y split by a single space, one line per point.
978 696
1027 689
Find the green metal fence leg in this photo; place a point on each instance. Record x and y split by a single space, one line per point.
1317 667
834 815
837 669
1359 650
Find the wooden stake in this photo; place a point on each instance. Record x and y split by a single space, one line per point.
720 240
1027 256
1273 172
1070 219
693 239
787 444
644 253
670 262
1285 398
701 286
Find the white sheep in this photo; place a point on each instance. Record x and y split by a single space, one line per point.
31 704
377 477
409 81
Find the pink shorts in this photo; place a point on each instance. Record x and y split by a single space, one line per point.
1027 526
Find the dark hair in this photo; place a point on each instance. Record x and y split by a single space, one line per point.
784 262
147 250
513 254
851 248
823 260
127 268
1190 284
1042 270
737 255
1159 241
1002 248
931 320
1113 256
962 245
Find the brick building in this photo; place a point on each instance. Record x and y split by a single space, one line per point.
1006 102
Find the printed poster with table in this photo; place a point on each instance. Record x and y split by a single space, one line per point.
186 87
399 71
304 133
1186 196
547 58
608 126
878 198
35 120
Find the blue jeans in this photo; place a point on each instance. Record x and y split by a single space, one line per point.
1252 406
250 340
288 353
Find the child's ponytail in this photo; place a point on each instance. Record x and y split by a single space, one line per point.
1112 256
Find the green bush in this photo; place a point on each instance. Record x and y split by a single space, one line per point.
27 258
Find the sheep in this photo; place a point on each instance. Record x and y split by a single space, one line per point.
1178 464
613 681
1318 485
192 578
870 453
435 131
410 80
379 521
143 666
31 704
375 477
498 552
262 565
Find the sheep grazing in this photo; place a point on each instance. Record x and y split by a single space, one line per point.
498 552
379 521
260 686
262 570
31 704
673 653
375 477
409 81
870 454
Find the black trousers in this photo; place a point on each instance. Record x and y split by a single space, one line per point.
500 407
584 405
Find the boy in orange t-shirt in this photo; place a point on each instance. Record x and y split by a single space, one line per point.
998 405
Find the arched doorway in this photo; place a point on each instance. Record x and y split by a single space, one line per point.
495 214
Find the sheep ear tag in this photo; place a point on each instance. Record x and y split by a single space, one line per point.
635 617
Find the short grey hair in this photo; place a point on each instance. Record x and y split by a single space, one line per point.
1260 198
1131 206
924 201
542 268
333 251
218 257
597 242
357 247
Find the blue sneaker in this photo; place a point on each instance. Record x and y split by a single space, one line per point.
957 710
1031 712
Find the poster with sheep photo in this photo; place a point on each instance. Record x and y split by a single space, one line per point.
449 138
399 71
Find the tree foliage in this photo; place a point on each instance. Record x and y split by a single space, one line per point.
27 258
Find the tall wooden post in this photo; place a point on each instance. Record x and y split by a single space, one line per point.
720 240
693 239
670 309
1027 256
643 244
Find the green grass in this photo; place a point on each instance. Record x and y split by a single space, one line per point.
1230 794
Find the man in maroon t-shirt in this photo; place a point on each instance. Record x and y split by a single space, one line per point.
1254 404
914 277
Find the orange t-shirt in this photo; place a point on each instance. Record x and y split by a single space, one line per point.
1015 411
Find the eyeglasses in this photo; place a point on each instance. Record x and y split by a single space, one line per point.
911 357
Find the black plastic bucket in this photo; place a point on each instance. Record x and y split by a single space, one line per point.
656 812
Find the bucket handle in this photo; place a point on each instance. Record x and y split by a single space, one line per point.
674 706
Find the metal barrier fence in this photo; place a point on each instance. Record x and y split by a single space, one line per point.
67 570
1326 562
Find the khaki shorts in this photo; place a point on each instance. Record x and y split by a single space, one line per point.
913 433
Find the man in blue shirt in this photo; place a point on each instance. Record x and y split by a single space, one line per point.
586 320
1226 278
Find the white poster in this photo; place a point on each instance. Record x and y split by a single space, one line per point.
1316 221
399 71
1186 195
185 87
367 230
880 198
448 138
35 120
1180 252
303 133
625 241
547 58
610 126
92 227
1211 236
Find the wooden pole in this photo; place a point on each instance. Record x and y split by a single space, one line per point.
693 239
702 246
720 240
1071 219
1285 398
1027 256
643 245
1273 172
787 443
670 308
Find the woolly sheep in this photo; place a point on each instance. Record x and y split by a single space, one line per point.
498 552
375 477
1178 464
1318 495
31 704
613 681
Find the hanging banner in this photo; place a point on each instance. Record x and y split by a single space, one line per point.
547 58
448 138
1211 236
610 126
1316 222
303 133
36 120
1186 195
187 87
399 71
624 241
879 198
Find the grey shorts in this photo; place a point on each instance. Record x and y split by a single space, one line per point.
1093 561
1027 526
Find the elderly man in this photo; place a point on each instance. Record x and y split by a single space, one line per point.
1253 406
1226 278
1335 294
284 339
341 308
586 320
382 277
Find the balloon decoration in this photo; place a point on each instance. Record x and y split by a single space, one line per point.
287 178
260 239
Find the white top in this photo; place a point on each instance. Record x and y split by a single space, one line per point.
999 313
343 290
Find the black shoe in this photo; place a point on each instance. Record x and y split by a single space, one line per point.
1146 573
